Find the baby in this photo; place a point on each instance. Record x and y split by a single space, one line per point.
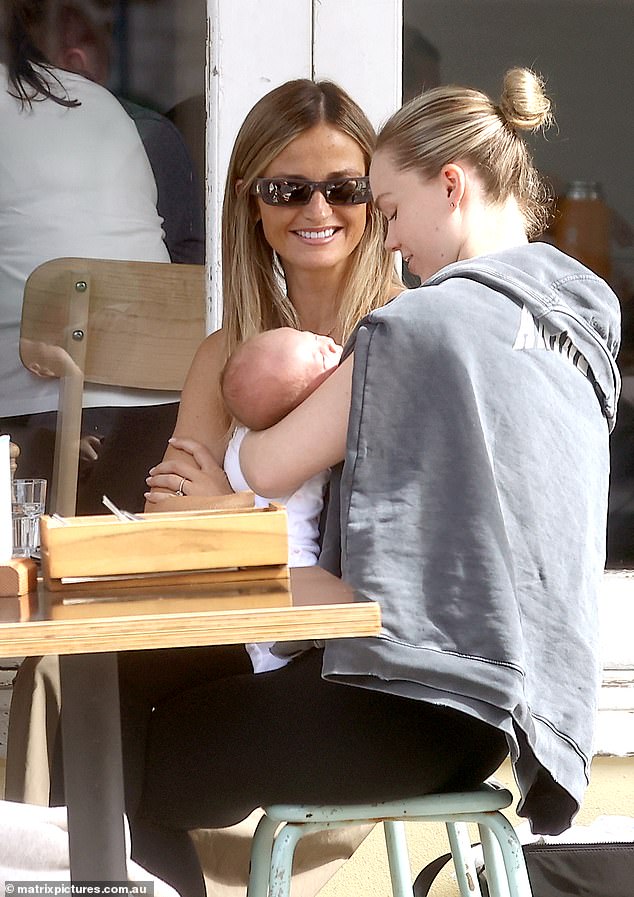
272 373
264 379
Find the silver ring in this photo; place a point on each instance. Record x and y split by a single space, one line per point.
179 491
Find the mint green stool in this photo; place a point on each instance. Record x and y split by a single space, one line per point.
281 828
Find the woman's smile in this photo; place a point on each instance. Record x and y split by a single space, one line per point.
320 236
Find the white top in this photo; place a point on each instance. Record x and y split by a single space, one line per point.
73 182
303 509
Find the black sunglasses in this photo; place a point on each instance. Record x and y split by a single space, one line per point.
289 192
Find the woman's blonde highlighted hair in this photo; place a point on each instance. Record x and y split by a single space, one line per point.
452 124
254 297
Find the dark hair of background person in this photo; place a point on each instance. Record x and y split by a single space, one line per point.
25 18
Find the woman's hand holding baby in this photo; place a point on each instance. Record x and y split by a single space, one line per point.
191 470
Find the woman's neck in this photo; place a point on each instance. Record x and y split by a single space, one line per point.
493 228
315 297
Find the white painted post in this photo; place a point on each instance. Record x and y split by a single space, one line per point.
358 44
252 47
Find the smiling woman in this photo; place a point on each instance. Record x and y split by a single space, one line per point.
317 234
302 247
318 265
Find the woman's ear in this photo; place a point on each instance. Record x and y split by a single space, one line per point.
454 180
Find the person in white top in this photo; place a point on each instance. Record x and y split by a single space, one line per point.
75 181
264 379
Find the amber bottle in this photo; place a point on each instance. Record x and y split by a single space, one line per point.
582 226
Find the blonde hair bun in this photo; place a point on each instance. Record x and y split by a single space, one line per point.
524 103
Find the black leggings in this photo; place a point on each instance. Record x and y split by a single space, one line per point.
218 751
147 678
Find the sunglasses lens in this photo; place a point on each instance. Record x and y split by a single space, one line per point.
280 192
348 192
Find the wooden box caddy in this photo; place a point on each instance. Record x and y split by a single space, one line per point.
184 546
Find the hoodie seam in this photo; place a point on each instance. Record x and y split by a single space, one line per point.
505 664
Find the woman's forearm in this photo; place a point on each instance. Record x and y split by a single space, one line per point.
201 432
202 415
311 438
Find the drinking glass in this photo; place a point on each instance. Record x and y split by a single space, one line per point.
28 497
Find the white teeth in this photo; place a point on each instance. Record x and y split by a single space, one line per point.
316 234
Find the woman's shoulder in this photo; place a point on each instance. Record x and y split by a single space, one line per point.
213 351
206 367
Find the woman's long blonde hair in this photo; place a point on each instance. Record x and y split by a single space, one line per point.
254 298
451 124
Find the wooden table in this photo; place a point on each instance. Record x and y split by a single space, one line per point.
88 631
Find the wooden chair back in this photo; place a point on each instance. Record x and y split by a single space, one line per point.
116 323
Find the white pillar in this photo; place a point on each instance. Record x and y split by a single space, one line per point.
358 44
255 45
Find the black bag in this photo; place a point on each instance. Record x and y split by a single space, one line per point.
598 869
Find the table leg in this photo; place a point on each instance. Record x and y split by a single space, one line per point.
93 769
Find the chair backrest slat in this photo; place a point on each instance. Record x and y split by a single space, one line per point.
145 318
116 323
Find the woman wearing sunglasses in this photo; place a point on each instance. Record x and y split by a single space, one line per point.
473 494
302 246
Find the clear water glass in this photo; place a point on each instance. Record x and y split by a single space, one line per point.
28 499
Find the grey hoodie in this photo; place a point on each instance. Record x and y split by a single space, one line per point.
473 504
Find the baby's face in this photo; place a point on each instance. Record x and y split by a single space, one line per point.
315 354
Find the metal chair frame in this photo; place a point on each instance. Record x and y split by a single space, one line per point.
282 826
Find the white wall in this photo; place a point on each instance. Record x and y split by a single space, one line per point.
357 43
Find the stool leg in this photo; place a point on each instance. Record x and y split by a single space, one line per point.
282 859
462 855
398 857
260 863
503 857
494 864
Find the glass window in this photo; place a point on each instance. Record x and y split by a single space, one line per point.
101 157
151 55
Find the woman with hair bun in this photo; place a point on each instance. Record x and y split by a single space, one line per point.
468 428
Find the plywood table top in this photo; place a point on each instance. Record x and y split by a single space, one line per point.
319 606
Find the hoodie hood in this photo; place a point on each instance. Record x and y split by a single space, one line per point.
566 299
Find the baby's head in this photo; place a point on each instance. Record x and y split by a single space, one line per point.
271 373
